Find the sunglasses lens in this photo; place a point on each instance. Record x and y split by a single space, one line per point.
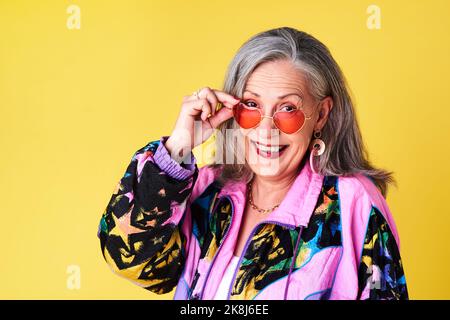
247 118
289 122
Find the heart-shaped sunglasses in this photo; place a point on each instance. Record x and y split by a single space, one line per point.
289 122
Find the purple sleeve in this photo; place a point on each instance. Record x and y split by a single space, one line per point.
166 163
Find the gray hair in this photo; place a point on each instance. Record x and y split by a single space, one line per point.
345 153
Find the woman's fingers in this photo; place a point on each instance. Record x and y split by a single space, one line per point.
198 107
209 95
206 109
227 99
205 104
220 116
216 96
203 108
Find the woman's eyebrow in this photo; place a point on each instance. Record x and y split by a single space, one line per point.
280 97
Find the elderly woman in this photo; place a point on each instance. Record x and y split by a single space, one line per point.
297 211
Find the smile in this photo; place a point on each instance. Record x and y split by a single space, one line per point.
269 151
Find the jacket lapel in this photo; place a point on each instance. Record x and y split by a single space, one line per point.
295 209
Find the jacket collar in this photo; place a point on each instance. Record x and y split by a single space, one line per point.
297 206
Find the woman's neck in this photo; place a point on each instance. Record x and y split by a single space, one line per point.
270 191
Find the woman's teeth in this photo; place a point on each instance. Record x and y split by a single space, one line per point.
269 151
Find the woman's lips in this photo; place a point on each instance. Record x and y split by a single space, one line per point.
269 151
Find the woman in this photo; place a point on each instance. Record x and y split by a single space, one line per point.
303 216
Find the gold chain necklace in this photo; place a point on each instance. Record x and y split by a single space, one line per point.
250 200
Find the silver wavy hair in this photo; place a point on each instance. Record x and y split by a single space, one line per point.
345 153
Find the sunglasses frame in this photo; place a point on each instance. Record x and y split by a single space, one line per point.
307 117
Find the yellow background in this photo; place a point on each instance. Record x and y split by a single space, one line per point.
76 104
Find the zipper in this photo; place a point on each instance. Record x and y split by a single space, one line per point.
289 226
220 246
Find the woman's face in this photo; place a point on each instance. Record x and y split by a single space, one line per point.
265 90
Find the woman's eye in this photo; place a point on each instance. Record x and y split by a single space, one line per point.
288 108
250 104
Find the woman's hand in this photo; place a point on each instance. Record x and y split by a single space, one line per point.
200 106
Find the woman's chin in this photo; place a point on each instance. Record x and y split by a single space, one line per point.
266 172
267 169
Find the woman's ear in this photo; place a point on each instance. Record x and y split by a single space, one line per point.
324 111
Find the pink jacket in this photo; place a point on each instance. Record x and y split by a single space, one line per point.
170 225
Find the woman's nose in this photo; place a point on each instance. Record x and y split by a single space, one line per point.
266 125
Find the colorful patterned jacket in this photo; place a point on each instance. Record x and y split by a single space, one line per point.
169 225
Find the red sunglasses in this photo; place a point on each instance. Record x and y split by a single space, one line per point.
289 122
